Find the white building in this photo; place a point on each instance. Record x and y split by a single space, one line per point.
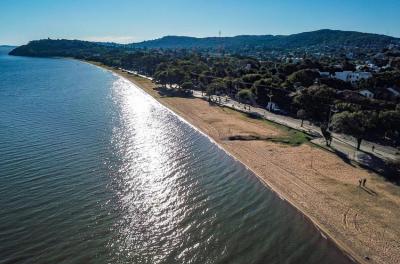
349 76
370 66
293 60
366 93
271 106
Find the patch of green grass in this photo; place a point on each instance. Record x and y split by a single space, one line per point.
291 136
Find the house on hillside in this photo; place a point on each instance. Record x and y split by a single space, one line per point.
349 76
366 93
367 66
293 60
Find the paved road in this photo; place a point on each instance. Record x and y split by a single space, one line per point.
343 143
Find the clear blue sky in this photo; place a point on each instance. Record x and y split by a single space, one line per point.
131 21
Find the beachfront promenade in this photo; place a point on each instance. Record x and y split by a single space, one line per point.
343 143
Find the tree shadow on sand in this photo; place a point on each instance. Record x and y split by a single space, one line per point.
343 156
172 92
390 170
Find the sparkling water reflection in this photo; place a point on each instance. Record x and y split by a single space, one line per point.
93 170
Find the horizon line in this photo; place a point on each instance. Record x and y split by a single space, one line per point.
198 37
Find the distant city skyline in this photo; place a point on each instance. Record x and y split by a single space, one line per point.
126 21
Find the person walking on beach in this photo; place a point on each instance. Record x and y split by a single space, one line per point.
359 182
364 182
373 148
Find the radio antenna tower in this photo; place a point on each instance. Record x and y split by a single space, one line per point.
221 46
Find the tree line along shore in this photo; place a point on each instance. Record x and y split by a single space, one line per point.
354 91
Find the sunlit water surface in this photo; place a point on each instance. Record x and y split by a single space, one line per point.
93 170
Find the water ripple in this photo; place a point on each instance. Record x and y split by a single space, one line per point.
93 170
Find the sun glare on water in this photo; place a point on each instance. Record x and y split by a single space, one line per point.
149 171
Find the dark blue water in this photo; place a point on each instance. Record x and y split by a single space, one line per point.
93 170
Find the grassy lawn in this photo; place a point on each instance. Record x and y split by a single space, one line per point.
291 136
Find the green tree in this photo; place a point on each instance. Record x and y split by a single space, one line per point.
389 121
337 84
326 134
177 76
251 78
217 86
161 77
315 100
187 86
260 90
348 66
302 115
357 124
245 95
305 77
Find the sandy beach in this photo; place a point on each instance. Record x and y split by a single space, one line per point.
364 222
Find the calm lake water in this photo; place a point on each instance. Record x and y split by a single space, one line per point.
93 170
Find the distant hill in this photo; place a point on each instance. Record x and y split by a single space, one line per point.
241 44
172 42
60 48
325 37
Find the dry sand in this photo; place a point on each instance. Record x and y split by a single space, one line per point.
363 222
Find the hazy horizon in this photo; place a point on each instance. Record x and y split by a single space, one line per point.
170 35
